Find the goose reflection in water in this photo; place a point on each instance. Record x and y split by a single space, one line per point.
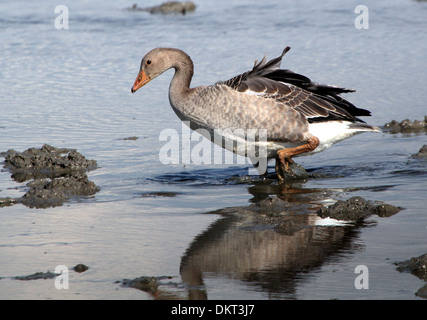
268 243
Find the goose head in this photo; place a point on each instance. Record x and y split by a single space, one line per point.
157 61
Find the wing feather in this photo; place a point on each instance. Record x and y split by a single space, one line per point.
317 102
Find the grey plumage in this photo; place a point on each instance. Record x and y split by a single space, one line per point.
294 110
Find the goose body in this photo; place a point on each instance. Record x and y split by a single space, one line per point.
296 116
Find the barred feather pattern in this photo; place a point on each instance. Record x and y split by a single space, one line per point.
316 102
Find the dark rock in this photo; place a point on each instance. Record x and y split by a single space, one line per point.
353 209
58 174
422 153
356 208
37 276
295 172
416 265
392 126
80 268
165 194
406 126
48 274
422 292
46 162
147 284
130 138
45 193
6 202
168 7
385 210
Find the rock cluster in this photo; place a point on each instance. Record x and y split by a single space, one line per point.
56 175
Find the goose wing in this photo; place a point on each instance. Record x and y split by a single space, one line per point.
317 102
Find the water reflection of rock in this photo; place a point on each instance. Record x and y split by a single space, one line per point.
267 243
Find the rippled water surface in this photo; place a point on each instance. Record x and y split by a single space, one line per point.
71 88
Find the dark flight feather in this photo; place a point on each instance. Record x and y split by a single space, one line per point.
317 102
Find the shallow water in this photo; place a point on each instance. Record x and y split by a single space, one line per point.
71 88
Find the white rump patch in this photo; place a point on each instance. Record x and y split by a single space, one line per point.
331 132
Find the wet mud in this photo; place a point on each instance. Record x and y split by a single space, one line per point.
55 174
168 7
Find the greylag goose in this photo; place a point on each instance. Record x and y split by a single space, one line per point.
299 116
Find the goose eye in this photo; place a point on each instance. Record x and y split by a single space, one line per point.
148 62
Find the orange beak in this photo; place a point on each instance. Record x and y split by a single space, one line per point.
141 80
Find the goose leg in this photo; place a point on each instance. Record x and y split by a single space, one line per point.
284 156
